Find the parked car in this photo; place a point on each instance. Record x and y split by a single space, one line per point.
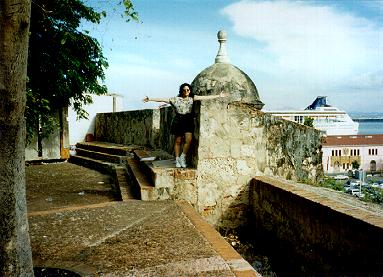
356 192
375 185
341 177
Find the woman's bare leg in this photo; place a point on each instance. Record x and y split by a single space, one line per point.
188 140
177 146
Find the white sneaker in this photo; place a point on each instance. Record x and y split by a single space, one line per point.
182 160
178 164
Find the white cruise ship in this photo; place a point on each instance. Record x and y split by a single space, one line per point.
331 120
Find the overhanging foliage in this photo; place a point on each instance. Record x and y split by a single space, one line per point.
65 65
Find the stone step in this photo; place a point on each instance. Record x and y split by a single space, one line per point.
120 186
150 154
117 159
161 167
102 166
160 171
109 148
159 179
148 175
127 191
137 178
111 158
164 189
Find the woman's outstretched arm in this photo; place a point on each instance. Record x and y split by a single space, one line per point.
206 97
147 99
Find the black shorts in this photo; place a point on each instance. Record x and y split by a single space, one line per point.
182 123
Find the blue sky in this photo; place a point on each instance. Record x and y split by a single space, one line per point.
292 50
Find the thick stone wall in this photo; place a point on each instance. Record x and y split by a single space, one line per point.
314 231
150 127
234 143
132 127
166 139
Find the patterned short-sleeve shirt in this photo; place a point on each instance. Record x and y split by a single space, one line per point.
182 105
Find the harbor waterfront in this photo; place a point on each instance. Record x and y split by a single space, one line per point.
370 126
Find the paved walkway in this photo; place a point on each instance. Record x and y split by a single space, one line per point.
126 238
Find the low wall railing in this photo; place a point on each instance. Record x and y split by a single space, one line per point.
317 230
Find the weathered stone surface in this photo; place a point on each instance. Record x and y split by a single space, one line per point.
227 78
149 127
186 190
330 233
133 127
237 142
163 178
185 174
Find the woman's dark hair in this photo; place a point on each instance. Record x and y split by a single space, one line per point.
182 87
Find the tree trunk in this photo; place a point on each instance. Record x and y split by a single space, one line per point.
15 249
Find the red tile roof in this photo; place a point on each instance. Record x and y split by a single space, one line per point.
353 140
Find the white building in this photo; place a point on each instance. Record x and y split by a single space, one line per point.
340 151
72 130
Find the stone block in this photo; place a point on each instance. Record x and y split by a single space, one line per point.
247 150
243 168
204 151
220 148
235 148
147 195
186 190
208 128
244 180
219 170
163 178
185 174
163 193
208 194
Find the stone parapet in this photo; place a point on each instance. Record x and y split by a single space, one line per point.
150 127
330 233
133 127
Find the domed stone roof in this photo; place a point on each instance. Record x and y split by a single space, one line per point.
222 76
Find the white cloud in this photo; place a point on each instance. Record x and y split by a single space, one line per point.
313 45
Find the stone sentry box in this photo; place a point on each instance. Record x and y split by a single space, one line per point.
239 143
235 141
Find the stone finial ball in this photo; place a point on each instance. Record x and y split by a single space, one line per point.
222 35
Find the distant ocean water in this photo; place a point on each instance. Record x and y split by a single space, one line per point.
370 127
370 123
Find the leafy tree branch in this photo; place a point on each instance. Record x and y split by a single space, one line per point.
65 65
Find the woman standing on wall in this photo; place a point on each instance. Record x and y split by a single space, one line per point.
183 123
